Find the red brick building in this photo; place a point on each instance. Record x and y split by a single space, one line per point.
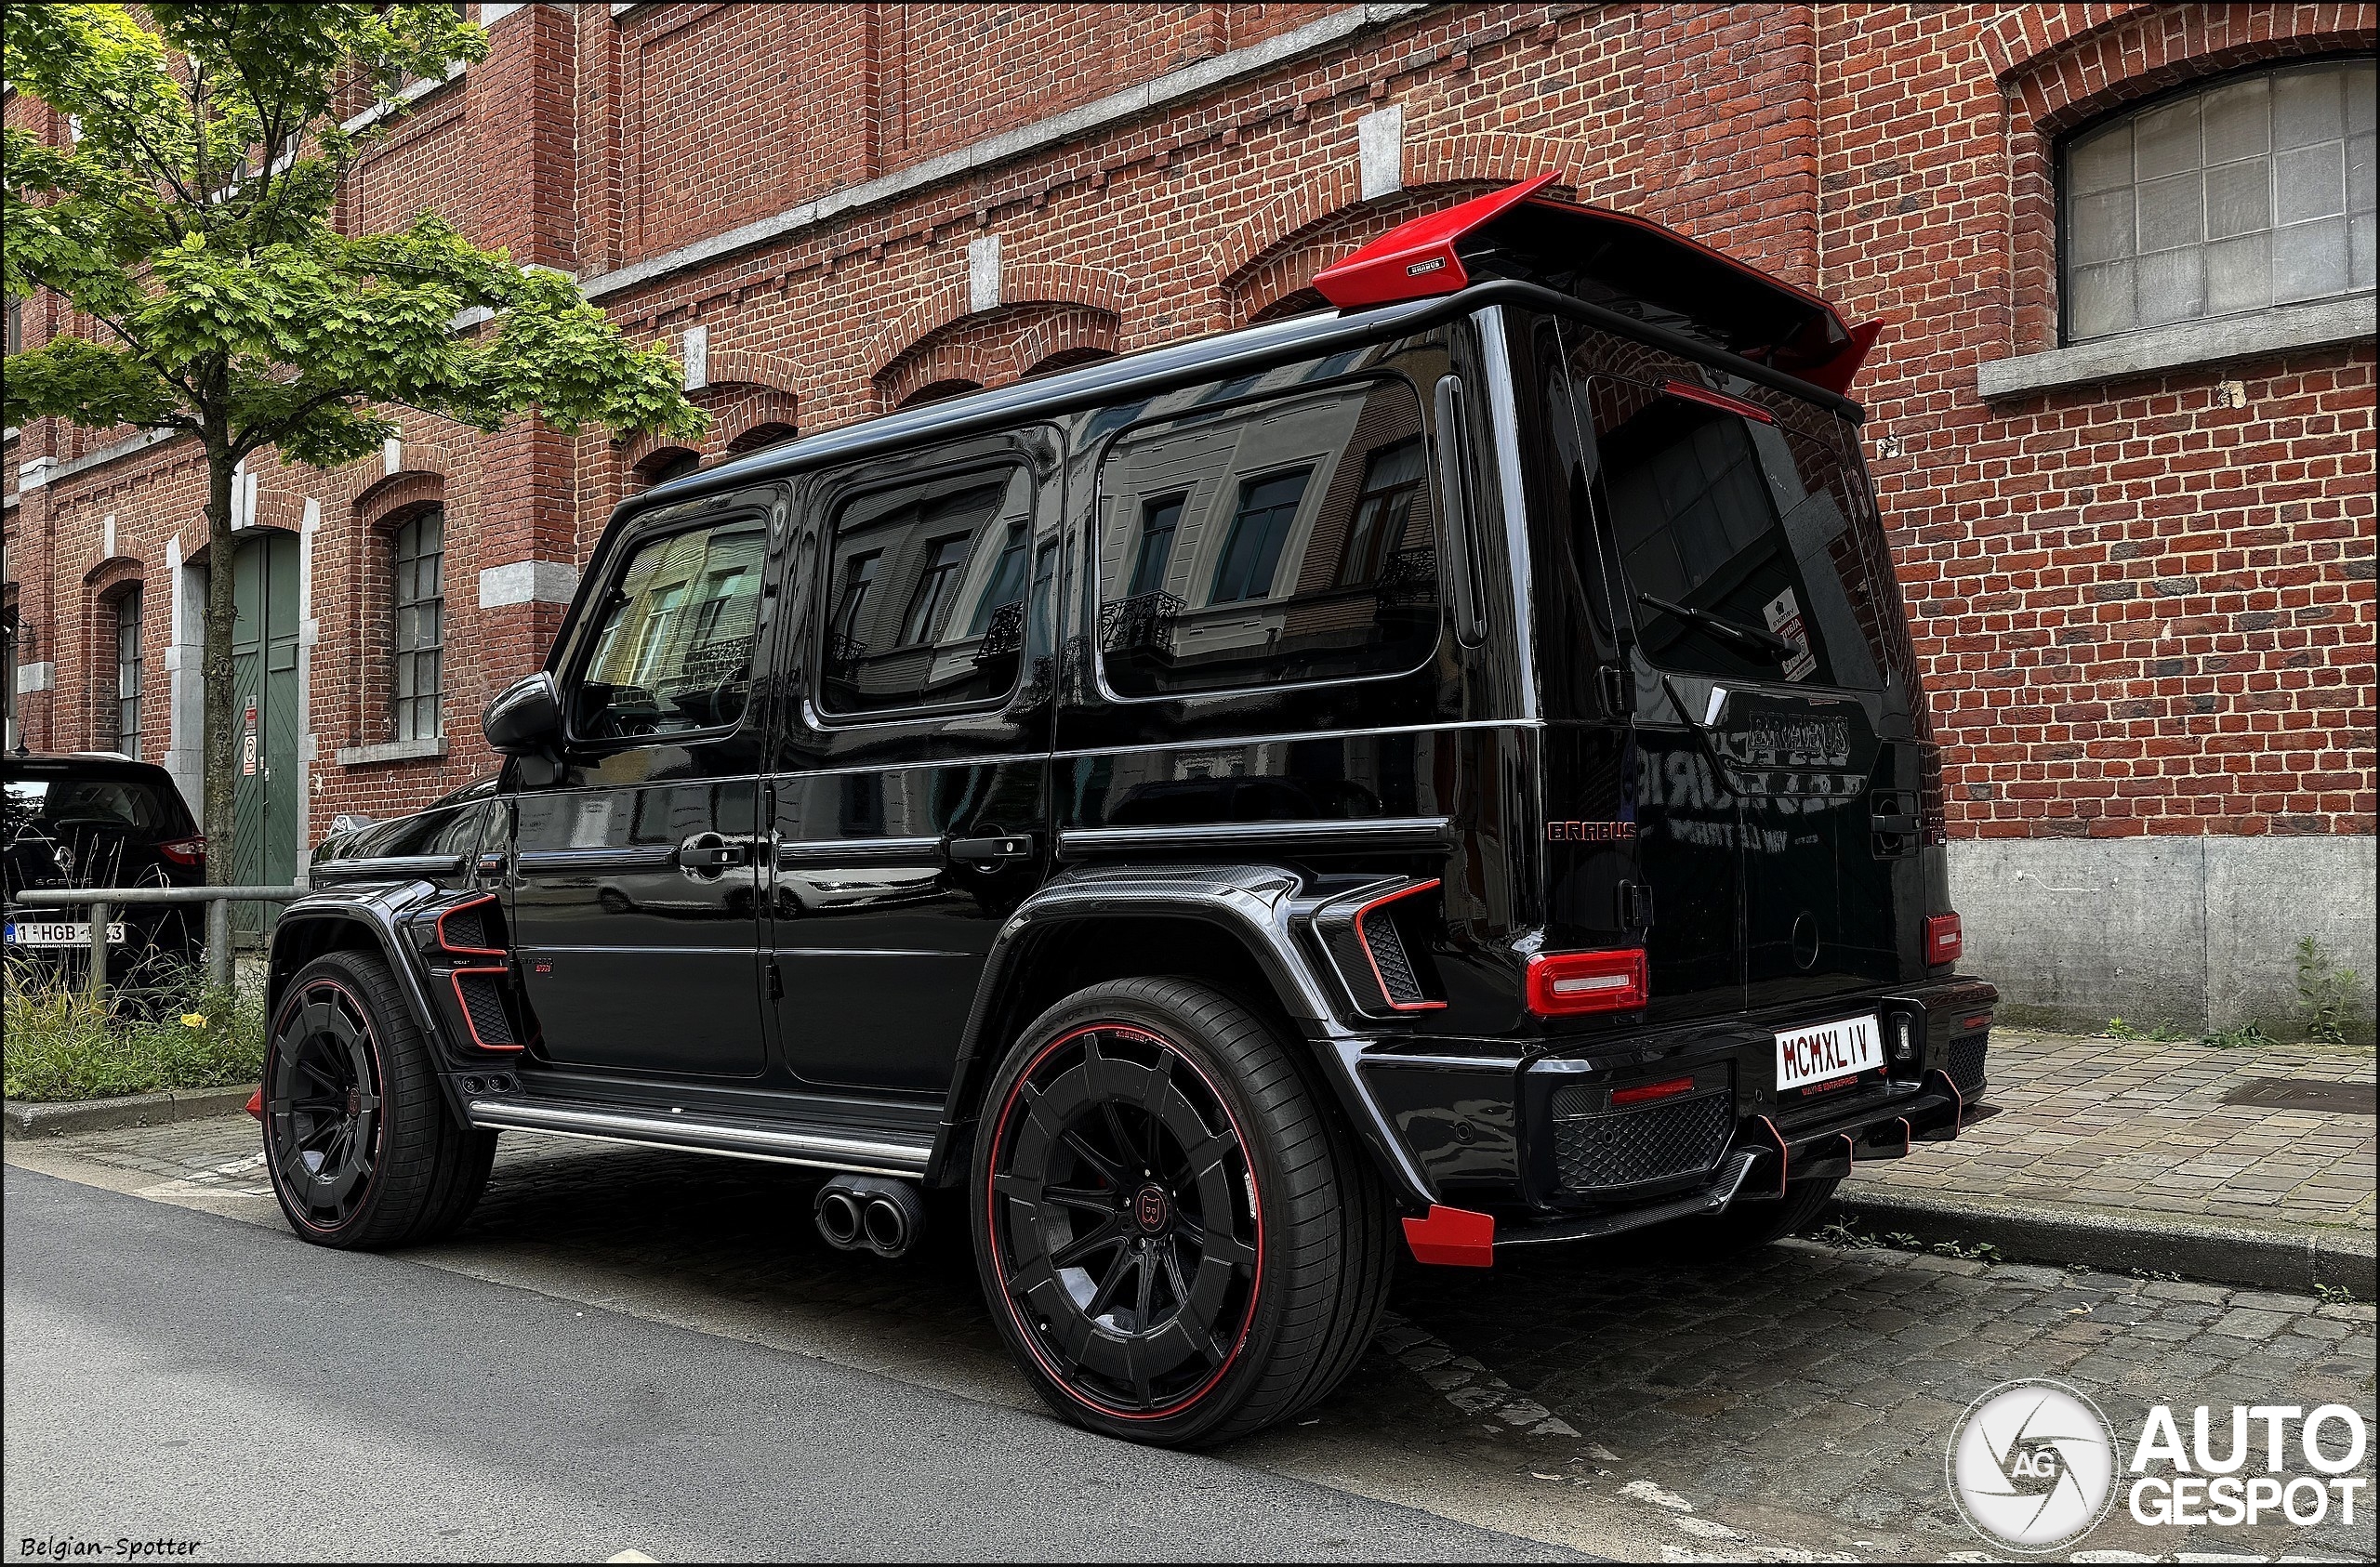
2122 413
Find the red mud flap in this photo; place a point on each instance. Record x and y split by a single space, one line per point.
1453 1238
256 1102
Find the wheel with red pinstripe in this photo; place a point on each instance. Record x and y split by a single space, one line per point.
358 1139
1179 1241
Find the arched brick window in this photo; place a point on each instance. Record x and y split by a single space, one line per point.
937 391
661 466
760 436
418 625
2225 196
119 714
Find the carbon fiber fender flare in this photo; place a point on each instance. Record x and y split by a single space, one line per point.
1262 906
377 910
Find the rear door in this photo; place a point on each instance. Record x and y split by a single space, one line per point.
910 787
1769 750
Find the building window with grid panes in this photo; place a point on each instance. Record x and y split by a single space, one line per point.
2236 195
420 630
121 715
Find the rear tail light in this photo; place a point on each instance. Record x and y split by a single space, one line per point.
1563 984
1945 937
191 851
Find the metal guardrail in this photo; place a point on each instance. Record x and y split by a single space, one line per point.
104 901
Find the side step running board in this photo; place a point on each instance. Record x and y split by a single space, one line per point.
871 1155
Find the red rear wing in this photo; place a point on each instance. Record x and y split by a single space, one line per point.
1605 257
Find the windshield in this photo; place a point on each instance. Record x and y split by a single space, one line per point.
1736 534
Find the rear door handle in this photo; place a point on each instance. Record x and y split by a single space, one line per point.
707 851
1013 846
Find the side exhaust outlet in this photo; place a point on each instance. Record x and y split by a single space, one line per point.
874 1213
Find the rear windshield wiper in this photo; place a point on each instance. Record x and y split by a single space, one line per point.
1758 639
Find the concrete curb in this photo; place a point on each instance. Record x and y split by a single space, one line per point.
2292 1257
28 1120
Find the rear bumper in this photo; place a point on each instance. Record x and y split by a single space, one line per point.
1543 1144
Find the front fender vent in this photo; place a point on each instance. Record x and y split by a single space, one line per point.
481 994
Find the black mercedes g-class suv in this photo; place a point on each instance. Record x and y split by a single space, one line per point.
1456 758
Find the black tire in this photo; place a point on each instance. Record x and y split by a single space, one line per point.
1745 1226
361 1149
1263 1260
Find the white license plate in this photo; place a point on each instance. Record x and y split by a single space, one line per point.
1825 1051
60 932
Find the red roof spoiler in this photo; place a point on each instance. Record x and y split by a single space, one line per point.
1798 331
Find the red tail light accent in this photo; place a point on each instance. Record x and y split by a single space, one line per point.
1687 391
1453 1238
1563 984
256 1102
1643 1091
191 851
1945 937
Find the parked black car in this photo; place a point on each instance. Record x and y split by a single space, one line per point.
96 819
1458 760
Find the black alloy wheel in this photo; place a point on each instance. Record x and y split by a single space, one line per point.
362 1147
1177 1238
1125 1221
323 1109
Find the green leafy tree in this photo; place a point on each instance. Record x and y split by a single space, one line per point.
189 223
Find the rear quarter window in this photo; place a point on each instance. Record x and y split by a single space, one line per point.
1291 540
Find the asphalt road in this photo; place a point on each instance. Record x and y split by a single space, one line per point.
172 1374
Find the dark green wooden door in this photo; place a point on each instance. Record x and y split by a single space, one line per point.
268 812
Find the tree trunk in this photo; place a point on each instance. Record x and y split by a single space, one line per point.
220 745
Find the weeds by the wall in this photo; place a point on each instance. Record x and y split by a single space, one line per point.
170 1031
2324 994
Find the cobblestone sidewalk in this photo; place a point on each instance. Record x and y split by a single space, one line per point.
2140 1126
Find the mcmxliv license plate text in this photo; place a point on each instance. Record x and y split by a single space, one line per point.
1826 1051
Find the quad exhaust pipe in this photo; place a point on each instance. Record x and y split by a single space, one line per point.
870 1213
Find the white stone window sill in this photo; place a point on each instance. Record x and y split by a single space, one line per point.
391 751
2314 324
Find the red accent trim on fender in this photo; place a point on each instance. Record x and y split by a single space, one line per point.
256 1102
465 1007
1364 942
1686 391
440 926
1453 1238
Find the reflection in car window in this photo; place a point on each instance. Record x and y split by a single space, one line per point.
107 802
674 649
926 593
1730 532
1287 540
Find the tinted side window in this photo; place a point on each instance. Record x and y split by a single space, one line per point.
925 586
1284 541
674 651
1732 535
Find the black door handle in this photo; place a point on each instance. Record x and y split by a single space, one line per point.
1013 846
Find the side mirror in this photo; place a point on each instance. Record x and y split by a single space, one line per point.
525 719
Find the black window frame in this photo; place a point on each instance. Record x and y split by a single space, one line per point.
831 504
1203 412
123 710
588 632
400 577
